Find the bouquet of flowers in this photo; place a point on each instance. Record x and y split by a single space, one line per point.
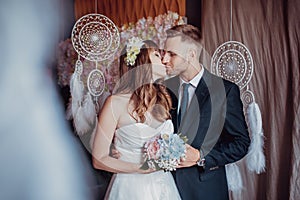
164 151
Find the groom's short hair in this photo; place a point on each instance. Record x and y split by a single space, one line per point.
187 32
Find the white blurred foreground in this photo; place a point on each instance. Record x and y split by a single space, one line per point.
40 159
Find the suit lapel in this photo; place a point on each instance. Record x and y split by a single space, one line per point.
172 85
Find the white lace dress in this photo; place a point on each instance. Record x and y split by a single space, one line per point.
153 186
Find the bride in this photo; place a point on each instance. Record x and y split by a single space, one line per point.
137 111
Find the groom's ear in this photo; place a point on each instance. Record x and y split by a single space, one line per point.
192 54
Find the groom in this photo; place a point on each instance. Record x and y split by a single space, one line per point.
209 112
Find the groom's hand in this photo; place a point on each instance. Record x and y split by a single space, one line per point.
191 157
115 153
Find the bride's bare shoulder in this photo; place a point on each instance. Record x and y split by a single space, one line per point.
118 99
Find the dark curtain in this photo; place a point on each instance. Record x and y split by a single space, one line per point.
270 29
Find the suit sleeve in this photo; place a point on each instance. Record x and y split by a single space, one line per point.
234 140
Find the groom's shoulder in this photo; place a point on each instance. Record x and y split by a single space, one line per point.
214 78
172 84
171 81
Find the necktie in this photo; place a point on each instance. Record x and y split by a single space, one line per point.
184 101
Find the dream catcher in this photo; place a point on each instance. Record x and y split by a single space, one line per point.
95 38
233 61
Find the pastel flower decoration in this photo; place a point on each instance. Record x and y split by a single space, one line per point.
164 151
133 48
150 28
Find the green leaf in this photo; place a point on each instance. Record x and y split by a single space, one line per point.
145 166
184 138
156 166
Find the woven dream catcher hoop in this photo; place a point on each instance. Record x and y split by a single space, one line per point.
232 61
95 38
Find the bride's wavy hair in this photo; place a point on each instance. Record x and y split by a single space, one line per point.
138 80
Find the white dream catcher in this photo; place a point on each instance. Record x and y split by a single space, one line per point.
95 38
233 61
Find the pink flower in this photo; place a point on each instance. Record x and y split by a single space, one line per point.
152 148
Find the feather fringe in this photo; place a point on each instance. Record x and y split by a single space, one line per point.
81 108
69 114
93 135
80 123
255 158
76 90
89 110
76 87
234 178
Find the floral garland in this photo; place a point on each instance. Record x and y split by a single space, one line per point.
133 48
153 29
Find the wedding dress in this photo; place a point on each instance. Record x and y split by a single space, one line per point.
153 186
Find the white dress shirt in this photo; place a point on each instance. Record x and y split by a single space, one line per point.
193 85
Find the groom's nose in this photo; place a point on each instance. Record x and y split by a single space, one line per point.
165 58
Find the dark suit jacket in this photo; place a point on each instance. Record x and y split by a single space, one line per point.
214 123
